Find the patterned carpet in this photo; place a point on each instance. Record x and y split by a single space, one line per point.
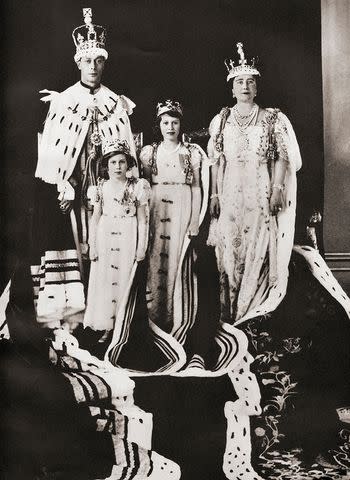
302 363
288 466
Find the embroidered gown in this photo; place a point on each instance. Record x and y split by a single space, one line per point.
170 216
246 236
116 241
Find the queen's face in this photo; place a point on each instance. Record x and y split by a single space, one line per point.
244 88
169 127
117 166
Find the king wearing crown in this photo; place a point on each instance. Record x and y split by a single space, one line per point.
69 155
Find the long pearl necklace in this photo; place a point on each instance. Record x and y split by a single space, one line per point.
243 121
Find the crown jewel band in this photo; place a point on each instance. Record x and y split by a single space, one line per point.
118 146
169 106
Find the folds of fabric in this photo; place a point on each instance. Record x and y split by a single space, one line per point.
170 355
168 229
159 353
67 124
129 427
285 221
253 254
162 352
185 292
58 291
173 191
323 274
55 269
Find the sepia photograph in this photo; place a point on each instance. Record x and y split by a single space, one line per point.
175 248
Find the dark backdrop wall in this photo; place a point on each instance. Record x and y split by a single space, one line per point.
158 49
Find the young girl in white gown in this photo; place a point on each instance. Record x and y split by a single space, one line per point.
118 236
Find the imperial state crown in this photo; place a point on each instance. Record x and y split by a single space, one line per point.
89 39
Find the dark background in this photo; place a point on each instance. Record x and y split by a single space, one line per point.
158 49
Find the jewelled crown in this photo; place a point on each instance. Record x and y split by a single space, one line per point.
117 146
169 106
243 67
89 39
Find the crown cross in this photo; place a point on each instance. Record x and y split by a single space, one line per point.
87 14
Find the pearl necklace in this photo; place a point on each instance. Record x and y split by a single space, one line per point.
169 152
243 121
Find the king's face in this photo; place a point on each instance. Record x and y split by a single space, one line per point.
91 70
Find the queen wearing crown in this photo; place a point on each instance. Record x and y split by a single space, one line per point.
253 198
118 235
173 169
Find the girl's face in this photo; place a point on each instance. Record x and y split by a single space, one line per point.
169 127
117 166
244 88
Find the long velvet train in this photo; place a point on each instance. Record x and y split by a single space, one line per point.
301 361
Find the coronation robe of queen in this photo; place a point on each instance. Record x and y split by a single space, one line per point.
78 120
252 246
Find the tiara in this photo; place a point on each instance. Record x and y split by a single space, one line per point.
117 146
89 39
243 68
169 106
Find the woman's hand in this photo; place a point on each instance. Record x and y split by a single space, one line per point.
276 201
66 206
214 207
93 255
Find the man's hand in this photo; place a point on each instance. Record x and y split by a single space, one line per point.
66 206
93 255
